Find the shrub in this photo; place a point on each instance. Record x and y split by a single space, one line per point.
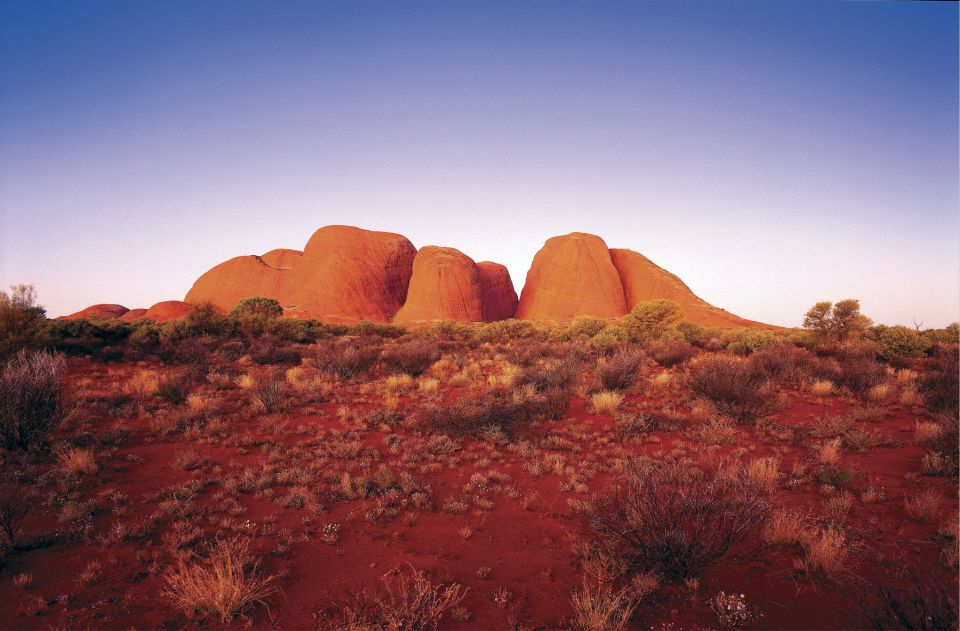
174 388
556 374
859 372
584 327
939 386
219 585
257 307
413 357
267 395
676 519
826 552
403 601
748 341
15 503
734 388
909 596
21 321
669 353
601 608
649 320
899 341
619 371
344 358
31 406
509 414
836 321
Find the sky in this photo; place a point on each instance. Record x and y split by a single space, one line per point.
771 154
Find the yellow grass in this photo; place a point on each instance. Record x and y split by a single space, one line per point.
662 379
398 383
144 383
879 393
764 472
926 431
924 506
822 388
219 585
827 552
78 461
428 385
600 608
829 452
201 405
785 527
246 381
606 402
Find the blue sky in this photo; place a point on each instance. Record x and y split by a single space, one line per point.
770 154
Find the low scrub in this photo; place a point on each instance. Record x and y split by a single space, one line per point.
413 357
734 387
345 358
31 404
669 353
675 519
619 371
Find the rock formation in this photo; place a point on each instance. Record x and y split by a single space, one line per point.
167 310
447 285
241 277
644 280
102 312
497 295
133 315
572 275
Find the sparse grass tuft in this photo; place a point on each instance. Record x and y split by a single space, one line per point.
606 402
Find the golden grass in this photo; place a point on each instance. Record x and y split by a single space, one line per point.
246 381
78 461
924 506
826 552
428 385
600 608
785 527
829 452
201 405
606 402
764 472
662 379
822 388
219 585
879 393
142 384
909 395
398 383
926 431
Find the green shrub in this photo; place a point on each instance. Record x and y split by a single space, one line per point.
583 327
257 307
21 321
649 320
899 341
748 341
836 321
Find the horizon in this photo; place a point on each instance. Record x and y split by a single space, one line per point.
768 155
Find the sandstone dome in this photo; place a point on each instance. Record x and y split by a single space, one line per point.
572 275
102 311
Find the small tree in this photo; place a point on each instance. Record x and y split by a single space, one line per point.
649 320
838 321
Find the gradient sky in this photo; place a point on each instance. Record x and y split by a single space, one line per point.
771 154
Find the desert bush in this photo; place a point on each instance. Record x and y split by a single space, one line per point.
748 341
583 327
77 461
555 374
15 502
412 357
669 353
509 414
619 371
345 358
267 395
676 519
601 608
782 362
899 341
21 321
649 320
174 388
403 600
223 585
734 388
257 307
270 352
836 321
859 372
908 596
31 404
939 385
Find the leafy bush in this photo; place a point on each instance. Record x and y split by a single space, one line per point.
669 353
31 385
747 341
734 388
836 321
413 357
21 321
584 327
649 320
899 341
257 307
676 519
619 371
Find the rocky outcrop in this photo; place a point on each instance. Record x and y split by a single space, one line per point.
167 310
644 280
572 275
240 277
101 312
497 295
133 315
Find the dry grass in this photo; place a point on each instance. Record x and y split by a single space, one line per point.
926 432
429 385
398 383
201 405
826 552
829 452
142 384
606 402
785 527
765 472
78 461
662 379
219 585
925 506
879 393
822 388
600 608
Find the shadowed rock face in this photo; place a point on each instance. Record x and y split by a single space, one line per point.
572 275
498 296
